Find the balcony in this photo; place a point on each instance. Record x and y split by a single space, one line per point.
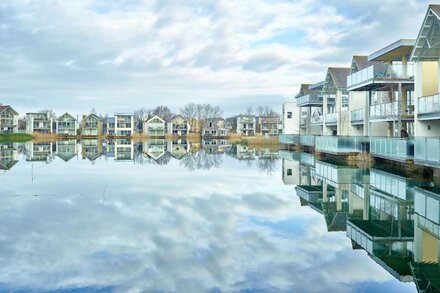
393 148
427 205
289 139
316 120
427 151
341 145
389 112
331 119
307 140
376 76
309 100
357 117
429 107
288 156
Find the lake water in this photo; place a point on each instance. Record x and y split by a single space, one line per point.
176 216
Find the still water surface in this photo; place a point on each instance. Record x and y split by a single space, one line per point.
163 216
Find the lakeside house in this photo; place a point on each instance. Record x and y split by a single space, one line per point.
66 124
242 124
124 124
155 126
110 126
179 126
214 127
91 125
8 119
268 124
39 123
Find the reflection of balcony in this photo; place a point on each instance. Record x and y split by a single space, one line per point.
289 156
331 119
341 145
393 148
313 193
389 112
429 107
376 76
357 116
289 138
307 140
427 151
309 100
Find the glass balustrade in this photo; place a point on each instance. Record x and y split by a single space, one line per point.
357 115
289 138
308 140
309 99
331 118
427 151
384 72
336 145
429 104
399 149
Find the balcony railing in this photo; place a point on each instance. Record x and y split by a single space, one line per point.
357 115
331 118
307 140
341 145
429 104
393 148
389 110
427 151
316 120
289 138
309 100
385 72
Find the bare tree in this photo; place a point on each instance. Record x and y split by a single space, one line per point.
249 111
48 111
139 116
163 111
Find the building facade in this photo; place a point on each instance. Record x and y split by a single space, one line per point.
124 124
155 126
66 124
39 123
8 119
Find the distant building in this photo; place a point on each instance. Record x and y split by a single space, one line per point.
8 119
124 124
246 125
110 125
38 123
155 126
91 125
179 126
66 124
268 124
215 127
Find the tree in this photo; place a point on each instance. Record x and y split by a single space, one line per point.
164 112
50 112
139 117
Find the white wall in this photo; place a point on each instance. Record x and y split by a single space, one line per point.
291 125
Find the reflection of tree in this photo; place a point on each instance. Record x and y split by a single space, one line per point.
267 164
202 160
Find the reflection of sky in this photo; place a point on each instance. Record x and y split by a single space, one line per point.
125 227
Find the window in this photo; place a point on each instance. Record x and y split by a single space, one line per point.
289 115
289 172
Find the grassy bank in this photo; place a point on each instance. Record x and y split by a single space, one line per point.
15 137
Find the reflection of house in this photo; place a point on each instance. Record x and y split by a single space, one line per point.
66 124
39 152
178 126
66 149
290 172
155 126
109 150
215 146
124 150
38 123
268 124
124 124
110 126
214 128
155 148
245 153
8 119
91 125
8 156
91 149
178 148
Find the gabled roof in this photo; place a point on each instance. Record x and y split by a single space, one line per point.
427 44
359 63
154 116
307 89
394 51
5 107
337 77
94 116
175 117
67 114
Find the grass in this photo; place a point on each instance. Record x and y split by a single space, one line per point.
15 137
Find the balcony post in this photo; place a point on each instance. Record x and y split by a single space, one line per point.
399 111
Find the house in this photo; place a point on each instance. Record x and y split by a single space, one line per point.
246 125
124 124
268 125
290 118
179 126
8 119
66 124
214 127
91 125
155 126
8 156
110 126
231 124
91 149
39 123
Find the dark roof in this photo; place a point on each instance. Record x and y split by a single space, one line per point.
339 76
4 107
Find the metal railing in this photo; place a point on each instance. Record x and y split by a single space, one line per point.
309 99
384 72
393 148
357 115
339 144
429 104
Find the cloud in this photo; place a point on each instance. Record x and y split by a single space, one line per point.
133 54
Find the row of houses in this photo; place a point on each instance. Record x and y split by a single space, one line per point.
386 103
393 218
124 124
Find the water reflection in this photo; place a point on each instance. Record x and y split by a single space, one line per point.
394 218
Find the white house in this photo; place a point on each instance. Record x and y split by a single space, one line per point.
38 123
124 124
8 119
155 126
66 124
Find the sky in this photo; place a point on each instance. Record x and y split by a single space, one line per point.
118 56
